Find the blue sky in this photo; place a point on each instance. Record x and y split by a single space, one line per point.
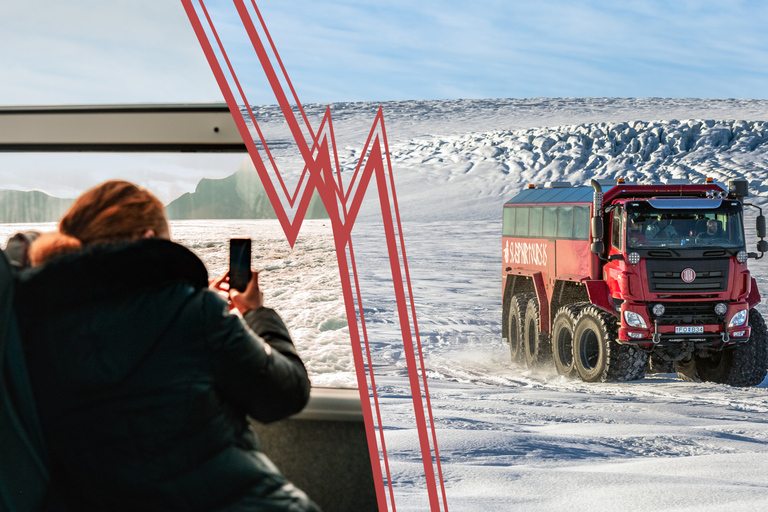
89 51
145 51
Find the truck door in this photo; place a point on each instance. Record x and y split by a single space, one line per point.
611 270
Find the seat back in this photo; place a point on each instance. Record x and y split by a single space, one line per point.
24 477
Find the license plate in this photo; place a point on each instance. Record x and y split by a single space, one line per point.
689 329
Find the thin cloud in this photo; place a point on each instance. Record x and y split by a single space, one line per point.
84 51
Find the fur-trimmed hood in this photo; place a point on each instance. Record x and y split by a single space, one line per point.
101 272
99 311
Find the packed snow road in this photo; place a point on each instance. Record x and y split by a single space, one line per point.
540 442
512 438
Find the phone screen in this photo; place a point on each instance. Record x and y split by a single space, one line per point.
239 263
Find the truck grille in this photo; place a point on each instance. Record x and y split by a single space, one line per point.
665 275
687 313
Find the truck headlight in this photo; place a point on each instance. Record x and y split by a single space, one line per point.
739 318
634 320
634 258
742 256
721 308
658 309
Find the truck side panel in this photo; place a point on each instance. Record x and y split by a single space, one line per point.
573 258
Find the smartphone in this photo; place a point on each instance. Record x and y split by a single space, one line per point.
239 263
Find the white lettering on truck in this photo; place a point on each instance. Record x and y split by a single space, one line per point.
525 253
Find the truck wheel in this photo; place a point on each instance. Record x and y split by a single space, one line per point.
715 366
597 355
515 318
535 343
562 338
743 365
758 362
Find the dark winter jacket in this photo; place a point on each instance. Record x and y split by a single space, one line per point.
143 380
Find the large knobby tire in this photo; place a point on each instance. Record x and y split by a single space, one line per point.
515 319
597 355
743 365
535 343
562 338
750 365
715 366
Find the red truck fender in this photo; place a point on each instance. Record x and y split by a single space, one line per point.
753 299
600 295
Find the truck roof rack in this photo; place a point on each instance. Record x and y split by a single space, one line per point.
569 195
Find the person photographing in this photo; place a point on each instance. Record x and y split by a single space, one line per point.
142 377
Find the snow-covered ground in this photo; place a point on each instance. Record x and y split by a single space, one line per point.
511 438
515 439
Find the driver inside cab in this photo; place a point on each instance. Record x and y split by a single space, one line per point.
635 233
713 230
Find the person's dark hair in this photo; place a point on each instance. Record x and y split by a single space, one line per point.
114 211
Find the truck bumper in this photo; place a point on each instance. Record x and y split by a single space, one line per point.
710 338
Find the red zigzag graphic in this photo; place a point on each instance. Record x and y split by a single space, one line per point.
342 208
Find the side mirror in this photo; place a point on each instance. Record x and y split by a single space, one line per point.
597 228
762 246
738 188
598 247
761 226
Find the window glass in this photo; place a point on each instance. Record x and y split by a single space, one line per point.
521 222
616 234
685 228
565 222
534 222
581 222
508 227
550 222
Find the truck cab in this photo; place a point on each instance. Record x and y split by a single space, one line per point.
677 270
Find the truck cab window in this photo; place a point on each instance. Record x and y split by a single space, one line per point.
508 226
618 215
565 222
660 228
521 222
534 222
581 222
550 222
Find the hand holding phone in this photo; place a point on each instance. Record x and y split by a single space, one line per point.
251 298
239 263
244 292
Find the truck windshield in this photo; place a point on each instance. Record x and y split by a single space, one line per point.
721 228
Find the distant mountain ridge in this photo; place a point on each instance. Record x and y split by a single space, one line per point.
18 206
239 196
